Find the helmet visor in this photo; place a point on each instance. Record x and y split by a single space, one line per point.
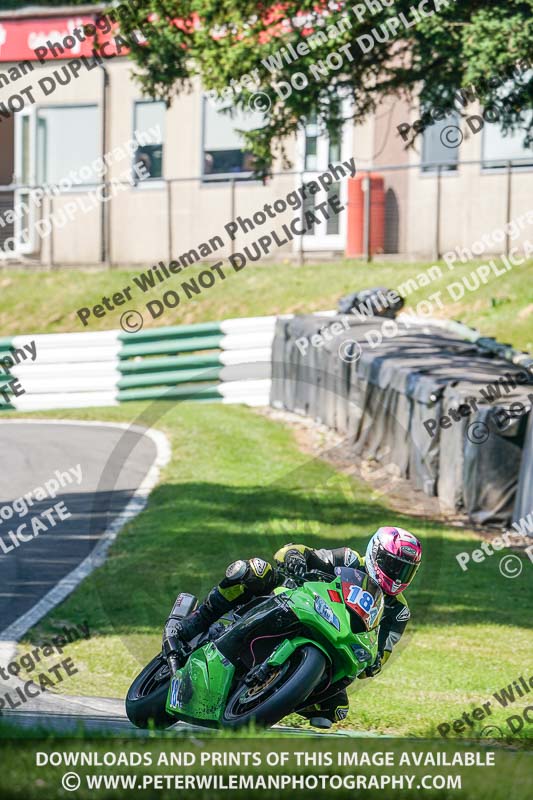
399 570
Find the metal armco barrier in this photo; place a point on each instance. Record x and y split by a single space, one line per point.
228 361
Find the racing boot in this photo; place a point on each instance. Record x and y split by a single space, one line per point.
321 722
180 630
333 708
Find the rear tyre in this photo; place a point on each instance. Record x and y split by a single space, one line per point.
285 688
147 696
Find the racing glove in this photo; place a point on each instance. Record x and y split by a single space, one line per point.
295 563
372 670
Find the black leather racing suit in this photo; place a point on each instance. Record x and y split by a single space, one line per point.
245 580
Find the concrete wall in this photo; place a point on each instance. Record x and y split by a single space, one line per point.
473 200
389 148
140 230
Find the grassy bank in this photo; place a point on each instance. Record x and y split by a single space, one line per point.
238 486
46 302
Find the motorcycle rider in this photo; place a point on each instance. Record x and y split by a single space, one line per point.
392 559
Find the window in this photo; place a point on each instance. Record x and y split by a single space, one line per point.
68 138
438 144
224 150
334 147
333 227
321 148
505 148
308 205
24 197
318 146
149 132
311 146
311 142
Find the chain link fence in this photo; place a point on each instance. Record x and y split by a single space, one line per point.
415 212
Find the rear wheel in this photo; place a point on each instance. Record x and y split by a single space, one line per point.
147 696
283 689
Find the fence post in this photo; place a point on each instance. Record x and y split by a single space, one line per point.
301 257
105 210
105 224
508 209
41 218
232 211
50 214
168 184
367 230
437 219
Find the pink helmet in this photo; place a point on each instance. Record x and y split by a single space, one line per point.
392 558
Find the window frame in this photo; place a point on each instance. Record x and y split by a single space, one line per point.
77 187
487 169
27 116
147 183
220 177
444 168
321 240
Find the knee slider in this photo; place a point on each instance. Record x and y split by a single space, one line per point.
235 572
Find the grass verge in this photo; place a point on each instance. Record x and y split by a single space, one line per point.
46 302
238 486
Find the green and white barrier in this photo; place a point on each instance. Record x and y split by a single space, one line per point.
5 375
229 361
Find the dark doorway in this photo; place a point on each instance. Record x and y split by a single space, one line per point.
7 169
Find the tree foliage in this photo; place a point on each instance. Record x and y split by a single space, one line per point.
216 41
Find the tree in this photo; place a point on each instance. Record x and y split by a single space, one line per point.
364 51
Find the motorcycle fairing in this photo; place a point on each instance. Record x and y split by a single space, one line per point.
352 651
199 690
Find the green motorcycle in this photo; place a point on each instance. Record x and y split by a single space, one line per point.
276 656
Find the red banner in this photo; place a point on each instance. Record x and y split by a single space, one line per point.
20 38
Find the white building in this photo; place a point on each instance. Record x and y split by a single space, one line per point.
196 172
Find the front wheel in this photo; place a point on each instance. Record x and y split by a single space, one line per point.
285 688
147 696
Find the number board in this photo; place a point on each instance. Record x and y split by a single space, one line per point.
361 601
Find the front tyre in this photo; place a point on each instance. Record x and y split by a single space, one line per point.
147 696
285 688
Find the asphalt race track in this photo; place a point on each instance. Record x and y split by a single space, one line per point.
113 463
